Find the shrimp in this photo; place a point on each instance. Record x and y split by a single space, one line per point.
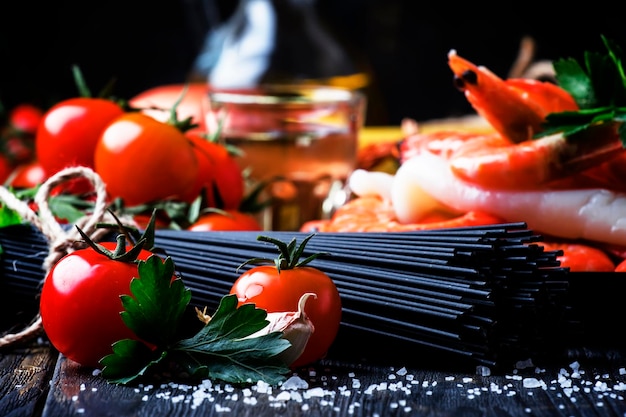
492 161
515 108
594 214
371 213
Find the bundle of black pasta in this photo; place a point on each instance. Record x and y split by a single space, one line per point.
487 294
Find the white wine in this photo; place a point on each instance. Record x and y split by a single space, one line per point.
301 141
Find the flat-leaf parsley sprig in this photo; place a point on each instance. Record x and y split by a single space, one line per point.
221 349
598 86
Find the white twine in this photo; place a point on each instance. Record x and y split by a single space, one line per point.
61 241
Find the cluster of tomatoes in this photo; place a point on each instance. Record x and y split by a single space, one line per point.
17 146
150 150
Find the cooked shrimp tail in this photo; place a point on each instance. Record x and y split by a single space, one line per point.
515 108
493 162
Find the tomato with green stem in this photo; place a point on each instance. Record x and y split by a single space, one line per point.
189 100
277 285
80 302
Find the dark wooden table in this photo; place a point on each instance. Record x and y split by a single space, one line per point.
36 381
363 374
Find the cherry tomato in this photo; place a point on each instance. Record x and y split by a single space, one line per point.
268 289
80 304
228 220
143 160
25 118
5 168
219 175
28 175
69 131
158 101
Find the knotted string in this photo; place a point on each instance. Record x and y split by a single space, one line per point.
61 241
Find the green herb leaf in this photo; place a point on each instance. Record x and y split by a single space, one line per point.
223 349
9 217
124 365
572 78
159 303
599 88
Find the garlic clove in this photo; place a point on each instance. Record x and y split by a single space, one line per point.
296 327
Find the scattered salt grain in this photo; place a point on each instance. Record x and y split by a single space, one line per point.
483 370
533 383
294 383
220 409
315 392
263 387
283 396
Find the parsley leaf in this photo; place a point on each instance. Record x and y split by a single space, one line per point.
222 349
599 88
233 357
158 305
130 360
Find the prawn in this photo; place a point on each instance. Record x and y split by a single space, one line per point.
371 213
492 161
516 109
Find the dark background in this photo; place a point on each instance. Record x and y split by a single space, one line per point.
403 46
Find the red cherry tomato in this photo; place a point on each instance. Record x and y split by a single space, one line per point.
279 292
228 220
143 160
28 175
158 101
219 175
25 118
69 131
5 169
80 304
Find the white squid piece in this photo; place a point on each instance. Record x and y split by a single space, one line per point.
592 214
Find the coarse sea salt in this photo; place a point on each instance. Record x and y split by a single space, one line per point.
294 383
532 383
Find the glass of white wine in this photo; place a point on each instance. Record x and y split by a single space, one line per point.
301 141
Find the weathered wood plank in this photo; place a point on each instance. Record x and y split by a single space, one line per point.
340 389
25 373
